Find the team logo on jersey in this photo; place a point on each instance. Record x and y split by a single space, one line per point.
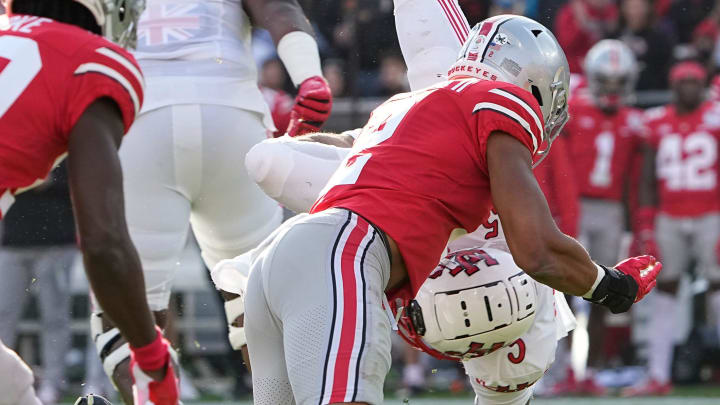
163 24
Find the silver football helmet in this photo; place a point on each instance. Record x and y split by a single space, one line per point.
521 51
612 72
475 302
117 18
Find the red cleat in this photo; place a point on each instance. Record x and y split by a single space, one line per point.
650 388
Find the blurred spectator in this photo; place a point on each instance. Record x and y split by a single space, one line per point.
273 80
704 38
498 7
474 10
685 15
334 72
581 23
680 184
393 75
640 32
37 253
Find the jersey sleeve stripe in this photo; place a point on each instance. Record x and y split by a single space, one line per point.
123 61
451 20
113 74
524 105
510 114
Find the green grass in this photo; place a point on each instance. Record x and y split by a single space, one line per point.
688 395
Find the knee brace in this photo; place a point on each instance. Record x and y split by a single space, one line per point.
16 380
236 334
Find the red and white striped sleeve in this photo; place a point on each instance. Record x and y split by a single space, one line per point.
509 109
104 70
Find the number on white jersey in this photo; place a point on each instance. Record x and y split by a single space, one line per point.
686 164
601 175
24 64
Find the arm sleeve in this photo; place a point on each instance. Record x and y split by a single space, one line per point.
510 110
104 70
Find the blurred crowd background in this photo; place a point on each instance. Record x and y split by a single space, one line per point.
44 305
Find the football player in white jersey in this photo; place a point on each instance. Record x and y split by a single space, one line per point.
203 111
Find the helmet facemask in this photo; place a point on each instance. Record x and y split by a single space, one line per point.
117 18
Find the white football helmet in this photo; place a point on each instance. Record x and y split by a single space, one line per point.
520 51
612 72
117 18
476 301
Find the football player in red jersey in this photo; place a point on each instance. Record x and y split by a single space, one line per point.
424 165
67 91
603 136
680 206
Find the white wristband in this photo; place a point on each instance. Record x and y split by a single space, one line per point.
598 279
299 53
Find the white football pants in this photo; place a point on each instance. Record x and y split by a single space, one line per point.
16 380
183 165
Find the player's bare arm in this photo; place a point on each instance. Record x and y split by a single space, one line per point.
342 140
111 261
538 246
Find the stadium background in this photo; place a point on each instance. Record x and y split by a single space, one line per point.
362 62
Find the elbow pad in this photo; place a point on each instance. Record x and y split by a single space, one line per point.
293 172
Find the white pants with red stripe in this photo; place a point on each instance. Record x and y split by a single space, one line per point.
316 329
431 33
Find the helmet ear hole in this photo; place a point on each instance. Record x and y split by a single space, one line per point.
536 93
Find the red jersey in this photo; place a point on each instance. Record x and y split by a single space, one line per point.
686 163
556 178
602 147
418 169
49 74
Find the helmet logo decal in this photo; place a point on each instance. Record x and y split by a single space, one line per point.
464 261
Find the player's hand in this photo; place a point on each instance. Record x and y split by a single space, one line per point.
156 383
312 107
644 270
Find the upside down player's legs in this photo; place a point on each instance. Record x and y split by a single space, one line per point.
320 285
431 33
230 214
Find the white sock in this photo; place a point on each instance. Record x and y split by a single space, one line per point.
662 324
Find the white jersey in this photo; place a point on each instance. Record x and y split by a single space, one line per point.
198 52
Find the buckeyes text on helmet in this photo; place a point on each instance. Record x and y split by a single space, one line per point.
523 52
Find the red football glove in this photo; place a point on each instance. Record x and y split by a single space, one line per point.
154 356
312 107
644 270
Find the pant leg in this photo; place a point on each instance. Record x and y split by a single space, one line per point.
323 280
271 385
159 158
52 269
230 214
16 380
430 34
16 280
704 239
675 247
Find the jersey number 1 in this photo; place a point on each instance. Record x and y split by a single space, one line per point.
23 65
